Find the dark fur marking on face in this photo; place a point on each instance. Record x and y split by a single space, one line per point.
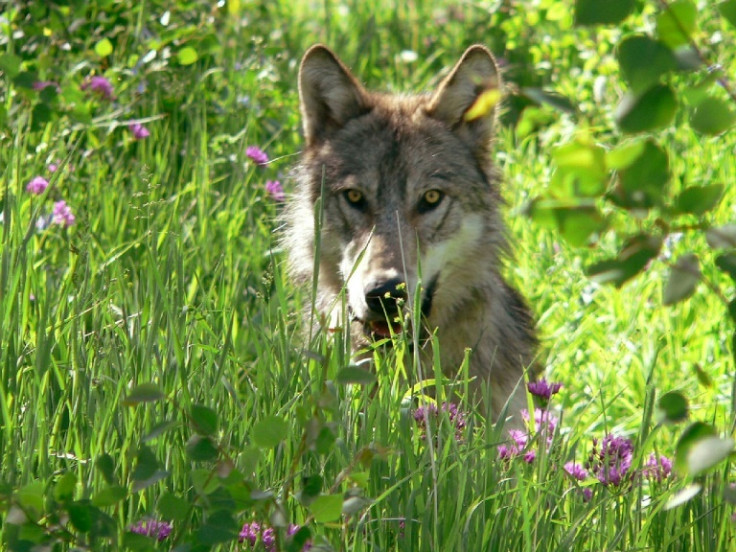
428 296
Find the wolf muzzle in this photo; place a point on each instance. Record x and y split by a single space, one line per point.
385 300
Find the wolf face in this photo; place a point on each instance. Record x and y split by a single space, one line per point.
409 208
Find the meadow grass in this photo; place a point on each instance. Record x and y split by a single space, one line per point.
156 361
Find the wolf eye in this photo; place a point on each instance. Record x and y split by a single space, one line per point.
355 198
430 200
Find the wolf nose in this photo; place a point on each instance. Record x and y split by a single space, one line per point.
383 297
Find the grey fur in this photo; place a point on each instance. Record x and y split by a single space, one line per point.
387 152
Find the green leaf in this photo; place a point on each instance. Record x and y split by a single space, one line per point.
676 23
269 431
145 392
602 12
625 154
694 433
672 407
684 278
204 419
727 263
550 98
632 259
106 467
728 11
311 486
109 496
326 508
187 55
80 514
325 440
201 449
135 542
356 375
707 453
146 464
103 48
722 237
64 489
651 110
220 527
159 429
172 507
698 200
10 65
642 184
712 116
643 60
576 223
703 377
31 498
686 494
25 79
155 477
581 170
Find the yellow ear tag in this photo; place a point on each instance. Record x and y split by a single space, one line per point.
483 104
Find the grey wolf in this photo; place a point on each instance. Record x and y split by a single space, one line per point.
409 204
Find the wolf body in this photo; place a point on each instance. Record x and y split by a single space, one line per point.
410 204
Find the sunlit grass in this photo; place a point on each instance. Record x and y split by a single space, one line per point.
172 275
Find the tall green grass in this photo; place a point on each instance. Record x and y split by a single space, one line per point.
156 361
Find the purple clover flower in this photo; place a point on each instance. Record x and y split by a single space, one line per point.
456 416
268 539
250 532
611 464
253 533
37 185
543 389
544 423
257 155
657 469
139 131
275 190
53 167
152 528
63 214
576 471
40 85
100 86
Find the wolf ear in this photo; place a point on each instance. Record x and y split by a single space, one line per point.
329 95
474 83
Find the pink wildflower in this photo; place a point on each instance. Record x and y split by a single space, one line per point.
37 185
258 156
456 416
543 389
576 471
139 131
100 86
657 468
153 528
63 214
275 190
611 464
40 85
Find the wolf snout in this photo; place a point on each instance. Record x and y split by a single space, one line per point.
384 297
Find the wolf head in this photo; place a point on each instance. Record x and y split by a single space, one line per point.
404 189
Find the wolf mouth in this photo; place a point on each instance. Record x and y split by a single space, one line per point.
382 328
